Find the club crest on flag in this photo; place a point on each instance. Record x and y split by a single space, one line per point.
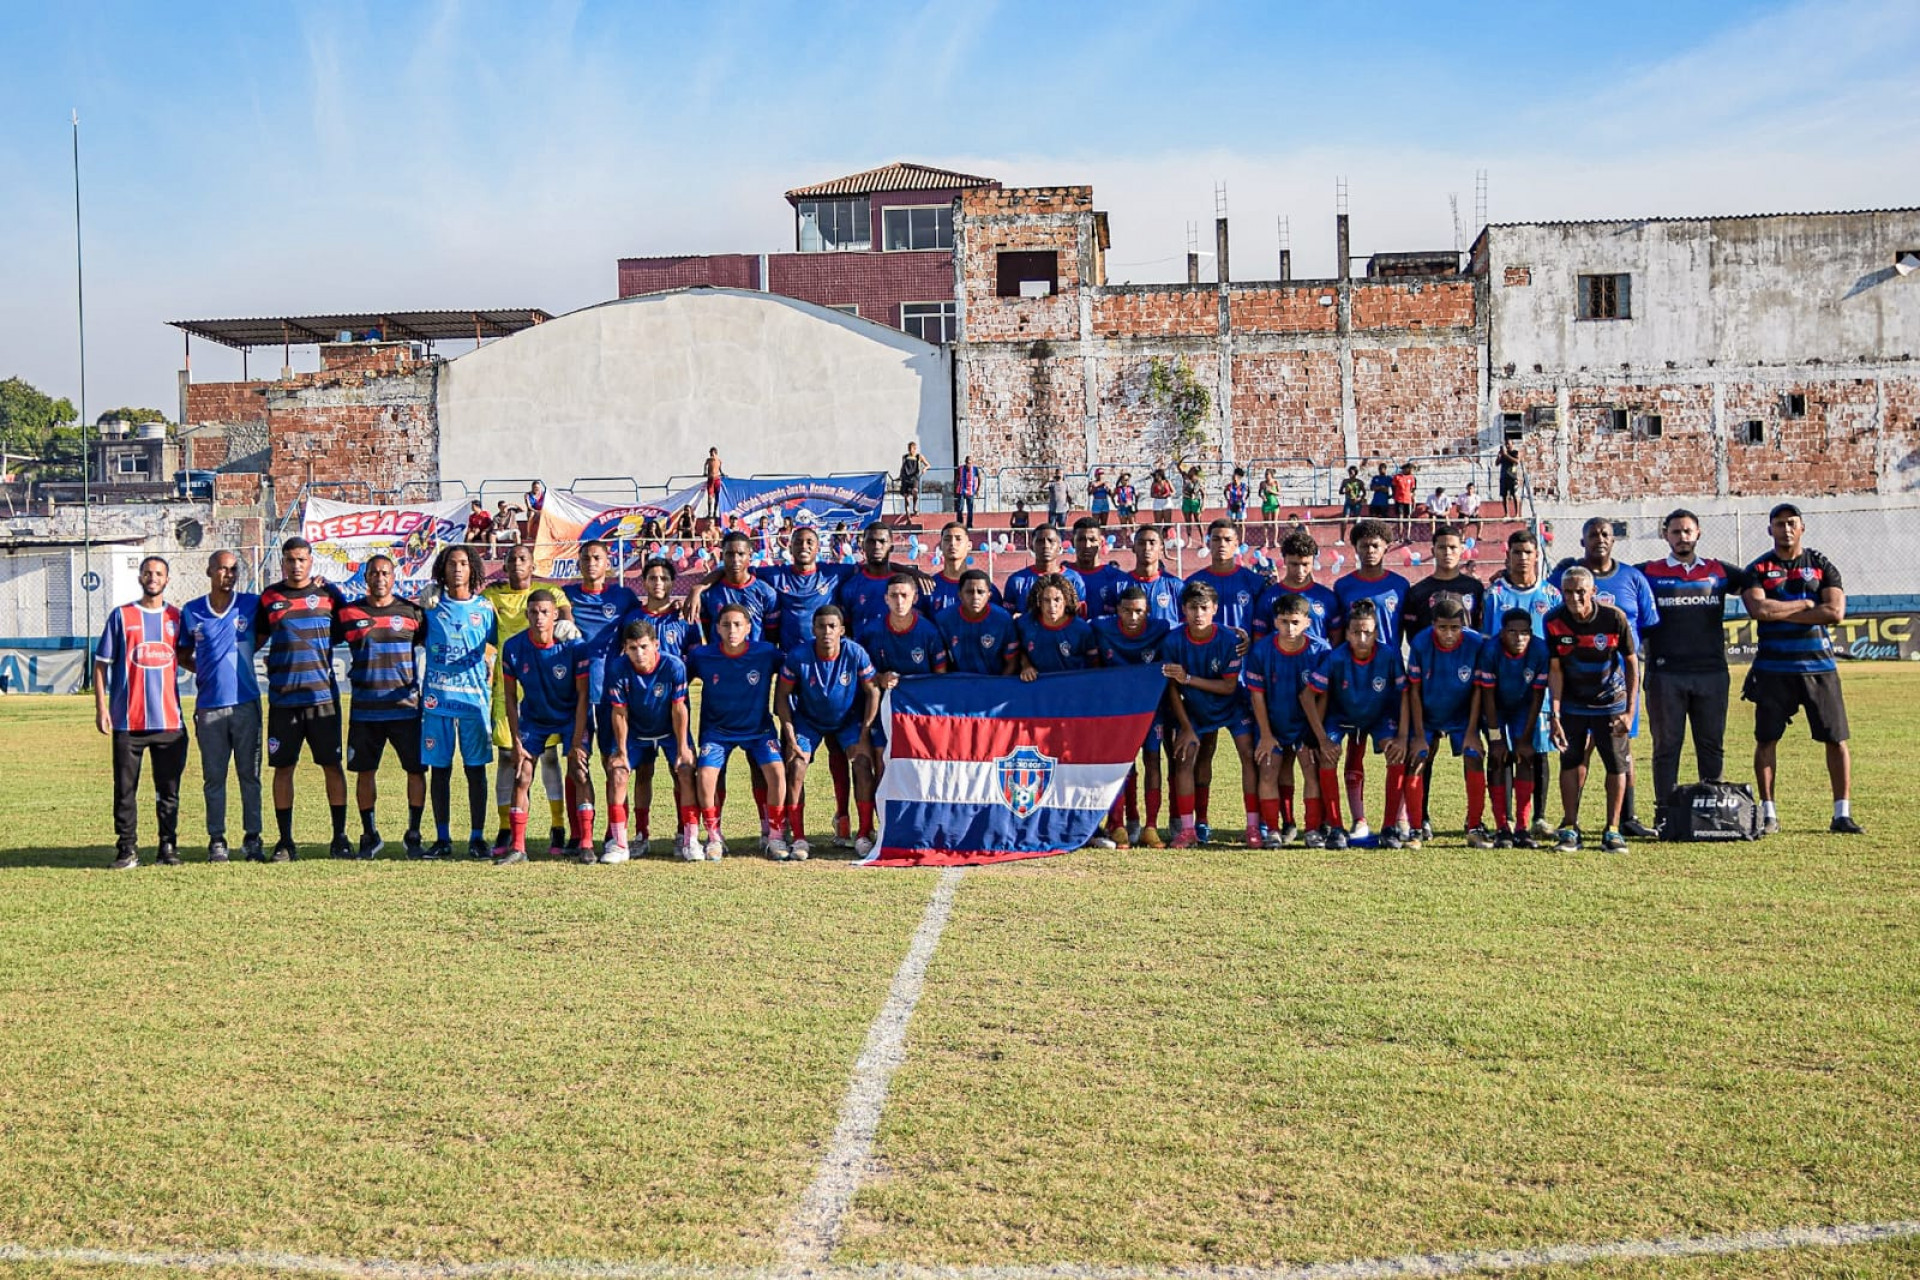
1024 777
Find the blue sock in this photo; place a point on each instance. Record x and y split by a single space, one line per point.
445 838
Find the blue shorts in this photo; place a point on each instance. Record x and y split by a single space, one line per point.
1456 737
644 750
1156 738
808 736
1239 723
603 728
760 750
1382 733
470 727
537 738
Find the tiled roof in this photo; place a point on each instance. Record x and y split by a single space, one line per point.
900 176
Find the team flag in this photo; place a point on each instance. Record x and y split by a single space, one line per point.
992 768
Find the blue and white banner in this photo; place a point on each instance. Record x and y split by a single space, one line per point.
805 499
991 768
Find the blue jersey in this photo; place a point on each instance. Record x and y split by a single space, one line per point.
1322 608
1163 594
1362 696
1102 588
754 595
1239 588
1215 658
1020 585
1794 648
598 614
798 595
1511 679
296 626
1539 600
219 649
648 696
459 633
1388 592
736 698
674 632
945 594
863 598
1626 589
978 646
548 694
1118 649
1444 678
382 639
917 651
1067 647
1278 677
827 691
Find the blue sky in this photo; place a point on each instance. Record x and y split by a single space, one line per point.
267 159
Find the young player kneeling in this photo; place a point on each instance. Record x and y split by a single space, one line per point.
544 683
1204 662
1274 674
1358 690
826 692
1442 663
1513 683
646 695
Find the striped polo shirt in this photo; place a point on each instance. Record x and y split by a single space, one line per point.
142 669
297 627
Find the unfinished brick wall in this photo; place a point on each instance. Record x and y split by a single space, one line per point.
1031 415
1413 304
380 433
1416 402
1306 307
993 221
1286 404
1135 431
1832 447
1157 311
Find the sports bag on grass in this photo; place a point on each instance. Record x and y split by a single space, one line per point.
1712 811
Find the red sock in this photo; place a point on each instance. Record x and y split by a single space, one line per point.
1395 811
1270 811
1330 797
842 776
1117 812
1357 775
1522 801
518 820
720 791
644 815
1416 797
572 792
712 818
583 823
616 813
1132 798
1316 813
797 815
689 815
1501 817
1476 798
1153 806
1286 801
1183 805
1200 799
865 808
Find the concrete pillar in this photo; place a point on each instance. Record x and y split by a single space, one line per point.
1220 249
1342 246
1286 264
1193 268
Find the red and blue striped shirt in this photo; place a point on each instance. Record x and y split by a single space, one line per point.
142 668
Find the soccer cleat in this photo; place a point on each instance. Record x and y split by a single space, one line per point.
777 849
1150 838
1203 832
1133 834
1359 831
1100 840
1121 837
1770 825
439 850
1846 827
508 856
862 846
501 839
1425 833
1477 838
614 854
217 850
1186 838
371 844
286 851
478 848
1337 838
127 860
168 855
1567 840
1525 840
716 847
1542 829
1255 838
252 850
1612 842
1415 838
842 832
1392 839
414 848
1315 839
584 855
340 847
1289 836
1503 839
1637 829
800 849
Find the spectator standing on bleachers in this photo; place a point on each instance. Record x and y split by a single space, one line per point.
913 464
1059 500
1470 511
714 472
1126 499
1353 494
1269 497
1508 462
1099 497
1160 489
1406 492
1380 494
966 488
1192 498
1236 496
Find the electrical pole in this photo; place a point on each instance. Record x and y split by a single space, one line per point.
88 582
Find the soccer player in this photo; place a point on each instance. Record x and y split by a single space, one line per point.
1297 554
980 636
1442 662
1202 659
1372 580
1045 544
544 682
943 591
136 703
1624 588
1519 586
863 596
1100 579
216 644
1594 677
737 584
1131 636
1162 589
800 587
1795 595
1050 636
1512 675
1685 657
905 642
383 633
827 690
1358 689
672 632
509 601
1235 586
647 695
457 698
1416 612
295 623
1274 674
737 675
597 604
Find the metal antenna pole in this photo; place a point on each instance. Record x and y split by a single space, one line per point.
86 457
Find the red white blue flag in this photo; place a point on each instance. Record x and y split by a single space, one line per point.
991 768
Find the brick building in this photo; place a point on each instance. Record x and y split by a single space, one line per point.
877 244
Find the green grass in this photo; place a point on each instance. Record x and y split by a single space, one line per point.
1206 1057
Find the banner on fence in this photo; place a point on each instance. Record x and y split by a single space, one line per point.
804 499
566 521
346 534
33 668
1885 637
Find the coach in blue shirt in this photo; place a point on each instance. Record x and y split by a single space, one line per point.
216 644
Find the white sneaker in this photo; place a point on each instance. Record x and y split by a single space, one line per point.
862 847
843 842
1101 841
1359 831
716 847
777 849
800 849
614 854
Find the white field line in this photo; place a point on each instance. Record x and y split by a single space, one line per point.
1468 1262
813 1231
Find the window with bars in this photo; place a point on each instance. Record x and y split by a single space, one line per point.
829 225
929 227
931 321
1607 297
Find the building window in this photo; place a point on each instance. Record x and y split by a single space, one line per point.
1027 274
1513 426
1753 431
931 321
1606 297
917 228
1650 426
130 464
1793 404
828 225
1613 420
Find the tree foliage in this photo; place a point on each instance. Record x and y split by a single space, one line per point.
135 416
36 424
1172 386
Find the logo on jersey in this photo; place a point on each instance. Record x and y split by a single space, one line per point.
559 671
918 655
1379 684
846 678
987 642
153 655
1065 649
431 702
313 602
753 677
1463 674
1025 776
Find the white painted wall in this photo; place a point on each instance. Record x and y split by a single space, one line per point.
643 386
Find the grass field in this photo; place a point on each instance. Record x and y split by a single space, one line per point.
1196 1059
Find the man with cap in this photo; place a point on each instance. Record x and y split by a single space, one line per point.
1794 594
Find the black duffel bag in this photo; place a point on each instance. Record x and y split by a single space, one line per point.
1712 811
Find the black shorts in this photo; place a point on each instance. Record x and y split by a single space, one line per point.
1596 731
1777 695
1509 486
318 727
367 741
